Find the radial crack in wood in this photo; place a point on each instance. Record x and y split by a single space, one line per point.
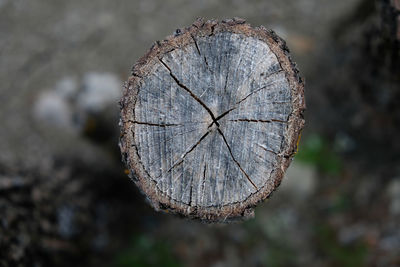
254 120
233 158
210 119
188 151
190 92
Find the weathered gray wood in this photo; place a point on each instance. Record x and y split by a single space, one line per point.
210 119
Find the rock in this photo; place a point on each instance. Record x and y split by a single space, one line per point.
52 109
73 105
99 91
67 88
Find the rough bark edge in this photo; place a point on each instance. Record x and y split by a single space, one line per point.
144 66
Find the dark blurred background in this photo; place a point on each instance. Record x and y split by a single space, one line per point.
65 198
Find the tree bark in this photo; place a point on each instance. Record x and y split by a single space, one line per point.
210 119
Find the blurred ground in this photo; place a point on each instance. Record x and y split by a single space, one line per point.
64 197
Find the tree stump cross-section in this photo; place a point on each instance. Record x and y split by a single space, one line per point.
210 119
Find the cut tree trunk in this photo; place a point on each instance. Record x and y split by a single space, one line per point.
210 119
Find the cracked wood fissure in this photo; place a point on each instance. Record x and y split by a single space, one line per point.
189 91
210 121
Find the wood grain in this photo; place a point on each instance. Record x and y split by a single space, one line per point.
210 119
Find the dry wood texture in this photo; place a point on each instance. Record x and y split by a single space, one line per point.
210 119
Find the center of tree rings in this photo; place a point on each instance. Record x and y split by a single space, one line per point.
210 119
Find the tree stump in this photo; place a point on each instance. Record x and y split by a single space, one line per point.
210 119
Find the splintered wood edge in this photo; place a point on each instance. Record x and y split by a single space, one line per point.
145 65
